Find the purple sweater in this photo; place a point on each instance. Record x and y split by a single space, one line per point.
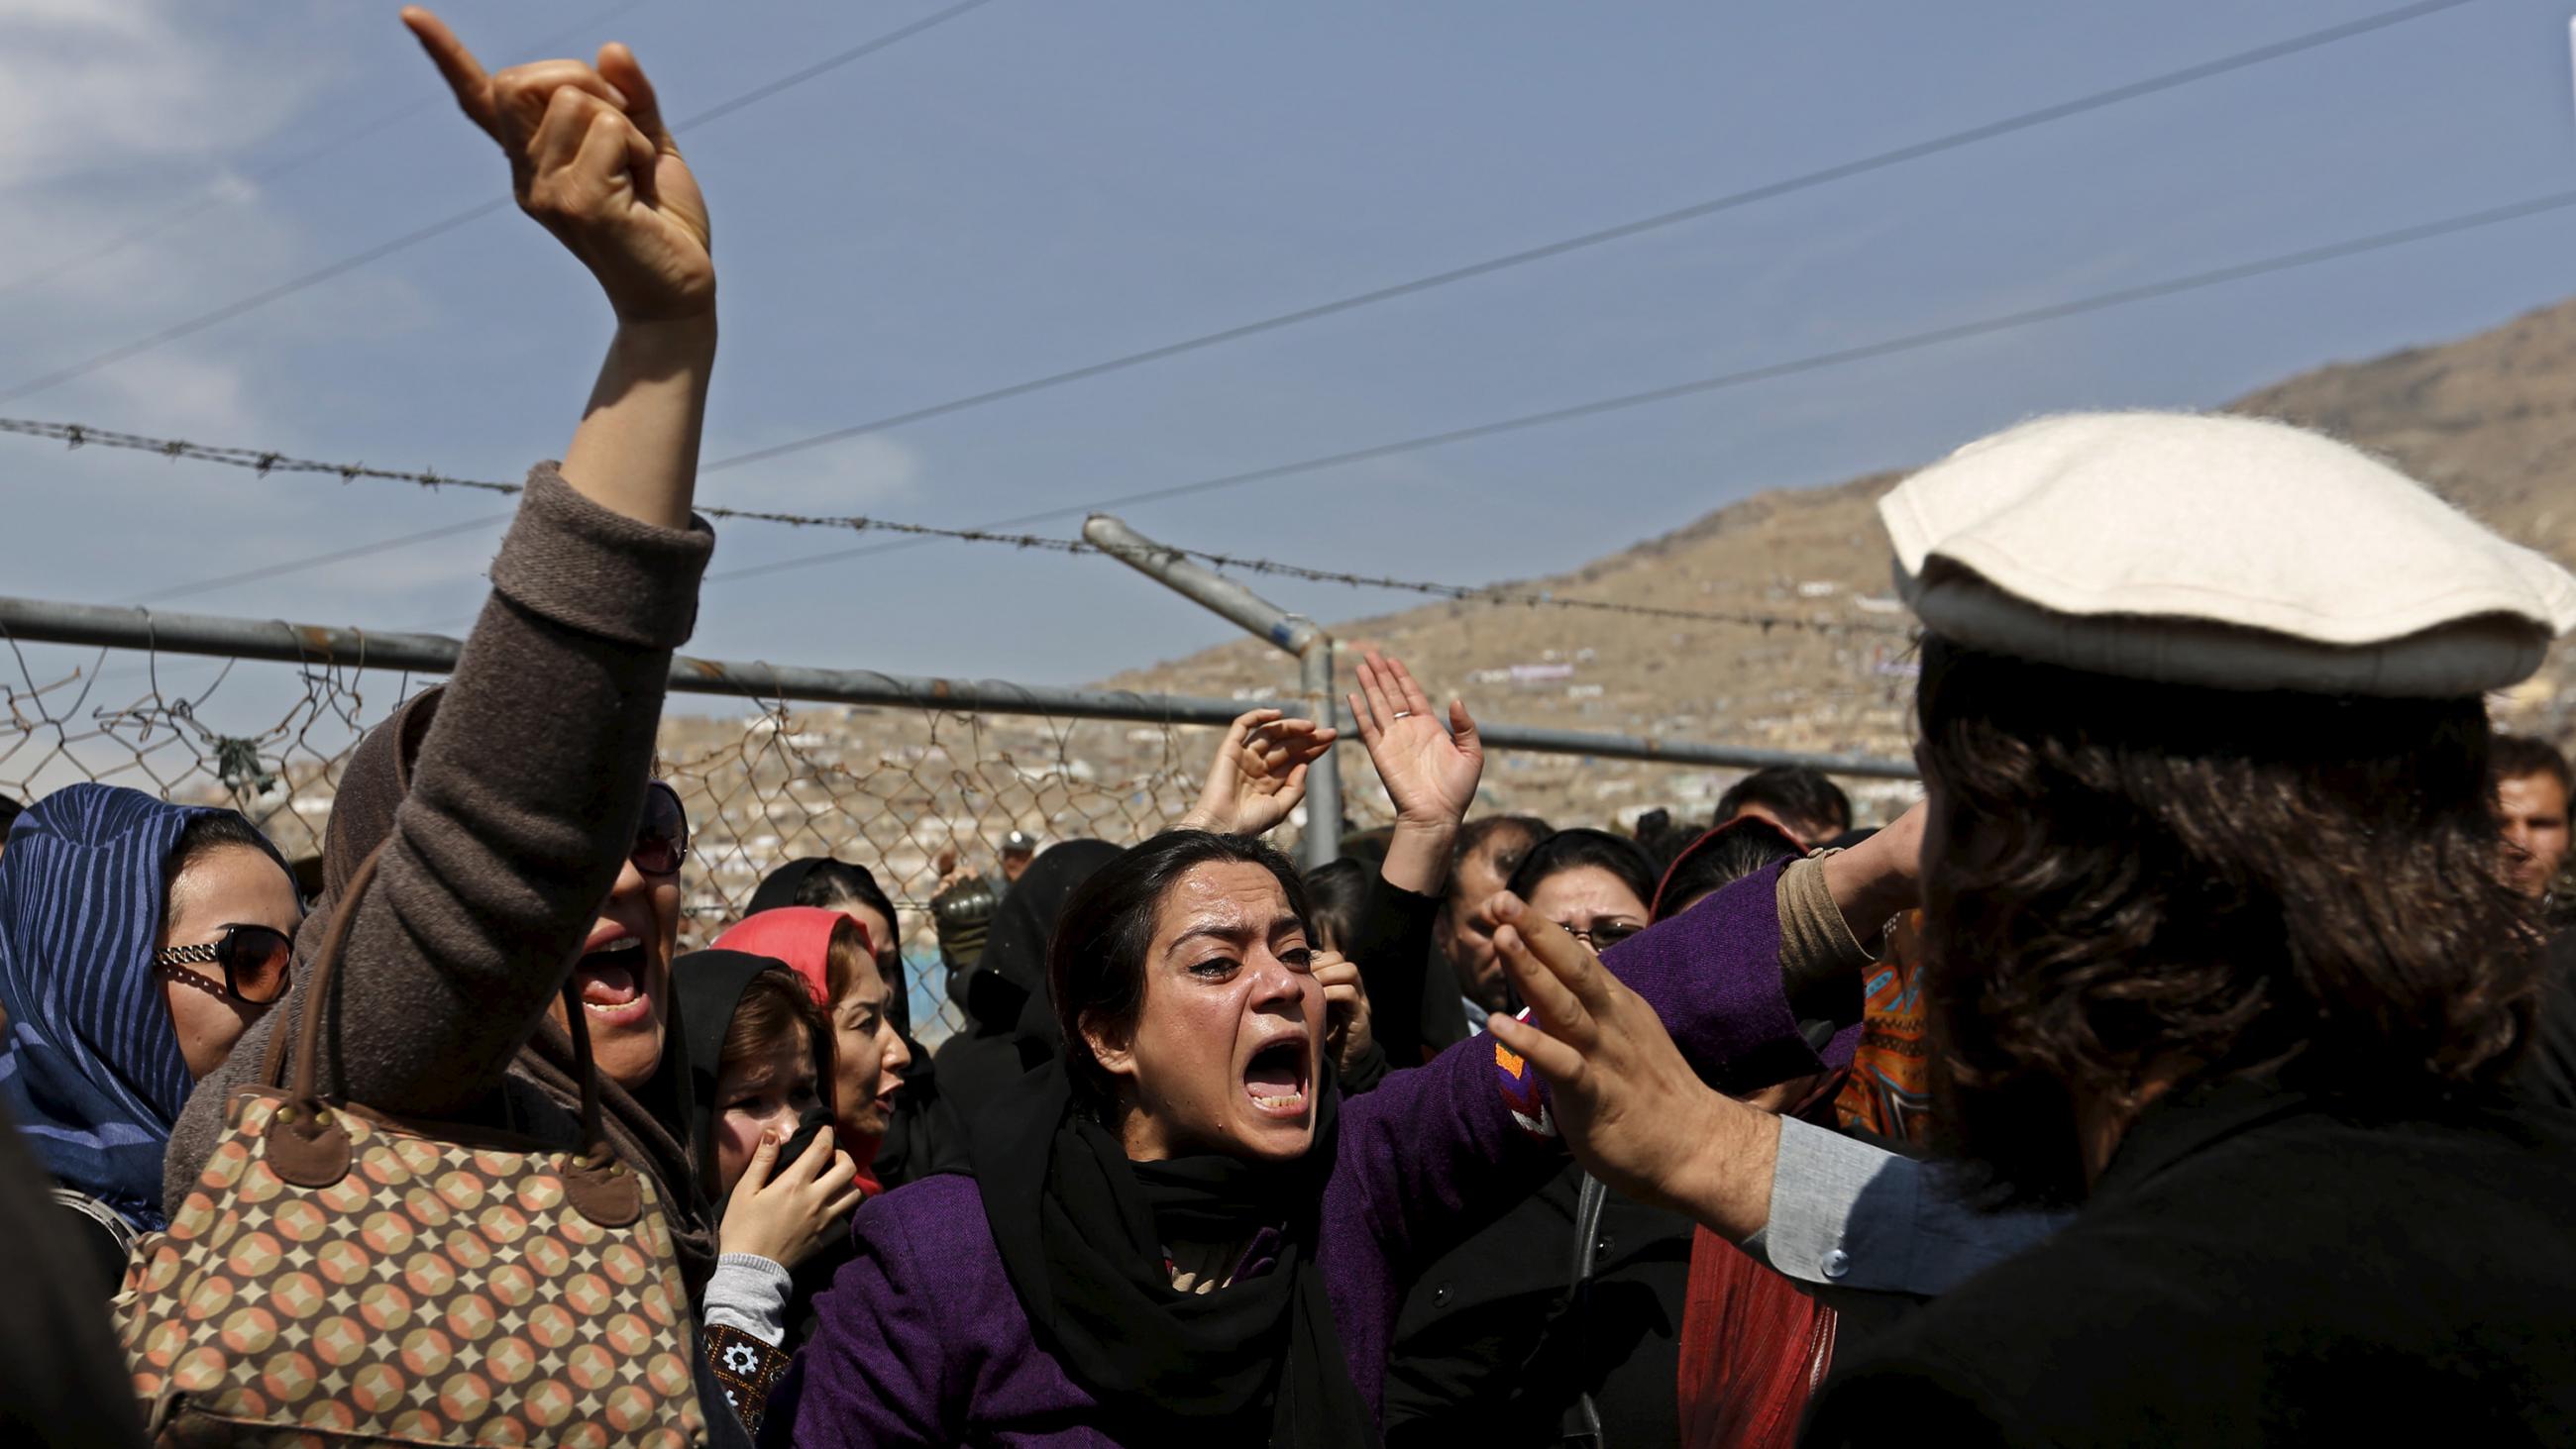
921 1340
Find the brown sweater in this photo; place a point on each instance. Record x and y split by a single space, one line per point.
520 810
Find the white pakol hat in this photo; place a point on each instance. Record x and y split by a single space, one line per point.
2226 552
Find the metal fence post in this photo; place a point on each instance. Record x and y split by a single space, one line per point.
1324 777
1290 632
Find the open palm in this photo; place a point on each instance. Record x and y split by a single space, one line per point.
1430 769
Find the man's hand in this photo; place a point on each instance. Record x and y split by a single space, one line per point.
1259 773
592 160
1635 1114
1346 1009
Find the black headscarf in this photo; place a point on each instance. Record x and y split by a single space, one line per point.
1082 1231
1015 953
708 986
780 886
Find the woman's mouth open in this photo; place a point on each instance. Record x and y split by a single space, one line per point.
610 978
1276 1079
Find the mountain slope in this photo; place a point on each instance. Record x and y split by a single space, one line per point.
2489 420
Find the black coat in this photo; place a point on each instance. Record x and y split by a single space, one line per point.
2549 1072
2261 1268
1490 1350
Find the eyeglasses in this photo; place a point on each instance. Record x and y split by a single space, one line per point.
255 960
662 838
1602 935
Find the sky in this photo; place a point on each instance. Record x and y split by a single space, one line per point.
1034 185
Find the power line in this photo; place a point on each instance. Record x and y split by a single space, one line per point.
451 222
341 137
1955 140
269 461
1813 362
295 566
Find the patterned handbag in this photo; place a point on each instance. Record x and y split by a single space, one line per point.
342 1276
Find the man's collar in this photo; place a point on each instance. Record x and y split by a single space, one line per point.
2191 1121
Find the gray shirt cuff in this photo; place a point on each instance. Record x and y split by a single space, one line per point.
1846 1215
749 1293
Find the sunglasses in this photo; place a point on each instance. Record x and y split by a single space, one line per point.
1606 934
662 838
255 962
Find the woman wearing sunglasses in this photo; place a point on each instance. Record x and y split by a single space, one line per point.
521 844
138 941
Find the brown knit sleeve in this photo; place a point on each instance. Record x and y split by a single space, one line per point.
522 804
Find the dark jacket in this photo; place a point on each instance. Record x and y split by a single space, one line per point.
2549 1072
923 1341
2260 1268
1489 1351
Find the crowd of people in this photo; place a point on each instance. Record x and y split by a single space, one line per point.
2193 1064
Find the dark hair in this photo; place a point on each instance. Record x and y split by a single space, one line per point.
1096 960
204 834
773 1001
831 882
1574 849
1720 858
2126 878
1808 803
1336 894
10 810
1503 839
2515 756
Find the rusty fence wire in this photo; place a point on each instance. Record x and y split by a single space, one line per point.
893 790
899 790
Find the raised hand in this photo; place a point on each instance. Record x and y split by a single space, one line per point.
1258 774
1633 1111
1430 771
592 160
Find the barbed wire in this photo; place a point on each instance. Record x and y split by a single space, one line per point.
266 460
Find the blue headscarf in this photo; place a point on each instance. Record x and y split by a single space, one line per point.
91 1070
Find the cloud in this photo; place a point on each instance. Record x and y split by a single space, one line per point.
95 85
857 476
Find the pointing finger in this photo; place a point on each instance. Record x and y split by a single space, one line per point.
456 64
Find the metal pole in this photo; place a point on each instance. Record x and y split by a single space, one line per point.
1294 633
41 621
1324 777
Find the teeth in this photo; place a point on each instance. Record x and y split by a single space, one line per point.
1293 1099
622 943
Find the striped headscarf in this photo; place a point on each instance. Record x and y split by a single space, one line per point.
91 1070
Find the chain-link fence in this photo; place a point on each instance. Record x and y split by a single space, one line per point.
904 791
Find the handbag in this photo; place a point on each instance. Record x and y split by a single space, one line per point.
340 1275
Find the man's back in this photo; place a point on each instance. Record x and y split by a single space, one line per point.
2254 1269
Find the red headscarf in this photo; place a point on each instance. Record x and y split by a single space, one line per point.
801 936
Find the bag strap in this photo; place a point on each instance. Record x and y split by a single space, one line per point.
307 1117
